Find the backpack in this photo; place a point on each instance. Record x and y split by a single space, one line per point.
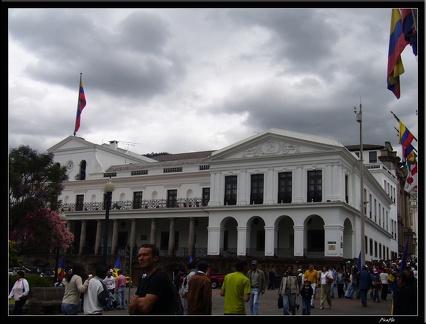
178 302
103 295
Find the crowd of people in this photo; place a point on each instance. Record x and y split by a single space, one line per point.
155 292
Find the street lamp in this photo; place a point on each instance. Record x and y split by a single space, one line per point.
361 170
63 219
108 189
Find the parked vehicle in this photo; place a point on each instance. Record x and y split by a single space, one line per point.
215 277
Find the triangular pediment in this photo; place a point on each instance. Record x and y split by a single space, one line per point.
276 143
71 143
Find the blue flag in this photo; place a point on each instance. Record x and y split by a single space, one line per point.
359 262
404 257
117 263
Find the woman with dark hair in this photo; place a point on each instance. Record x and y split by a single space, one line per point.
19 292
74 287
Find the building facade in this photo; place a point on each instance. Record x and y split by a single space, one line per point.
277 195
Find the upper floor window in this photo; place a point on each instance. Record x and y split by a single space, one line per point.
82 173
314 186
230 190
172 198
256 193
206 197
372 157
285 180
79 202
137 199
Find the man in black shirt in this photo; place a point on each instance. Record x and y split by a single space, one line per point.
155 292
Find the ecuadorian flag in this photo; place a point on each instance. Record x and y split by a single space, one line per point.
61 270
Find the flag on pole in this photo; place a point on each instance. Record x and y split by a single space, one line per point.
405 139
411 181
404 257
409 28
397 44
61 269
117 264
80 105
405 136
359 264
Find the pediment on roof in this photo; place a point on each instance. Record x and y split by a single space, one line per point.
275 143
71 143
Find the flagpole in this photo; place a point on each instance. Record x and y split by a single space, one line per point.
361 160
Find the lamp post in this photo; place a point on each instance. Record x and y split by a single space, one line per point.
64 219
108 189
361 170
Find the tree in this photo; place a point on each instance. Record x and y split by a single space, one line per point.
35 183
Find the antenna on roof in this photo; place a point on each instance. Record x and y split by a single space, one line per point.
129 144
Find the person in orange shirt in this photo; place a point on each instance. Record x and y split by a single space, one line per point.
312 275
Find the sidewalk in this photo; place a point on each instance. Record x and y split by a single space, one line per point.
268 306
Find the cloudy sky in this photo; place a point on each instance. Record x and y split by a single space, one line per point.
181 80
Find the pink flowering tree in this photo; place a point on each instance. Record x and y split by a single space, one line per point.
42 230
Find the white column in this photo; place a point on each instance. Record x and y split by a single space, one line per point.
333 236
269 240
98 235
243 193
213 245
271 187
133 233
298 185
114 239
171 236
83 236
299 231
153 233
241 240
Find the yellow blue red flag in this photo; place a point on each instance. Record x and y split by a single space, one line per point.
61 269
80 105
397 43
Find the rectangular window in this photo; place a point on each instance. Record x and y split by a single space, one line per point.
375 249
371 246
372 156
371 206
285 181
256 193
230 190
172 198
206 196
137 199
79 202
314 186
346 189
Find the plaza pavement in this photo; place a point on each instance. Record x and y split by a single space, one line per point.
268 306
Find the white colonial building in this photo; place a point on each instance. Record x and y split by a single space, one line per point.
276 194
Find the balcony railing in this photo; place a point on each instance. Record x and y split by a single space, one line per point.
130 204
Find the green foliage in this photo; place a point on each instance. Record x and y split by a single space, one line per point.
35 183
13 257
34 280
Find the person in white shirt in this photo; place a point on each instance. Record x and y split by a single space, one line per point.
19 292
91 304
325 281
385 284
109 282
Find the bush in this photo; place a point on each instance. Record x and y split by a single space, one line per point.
34 280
